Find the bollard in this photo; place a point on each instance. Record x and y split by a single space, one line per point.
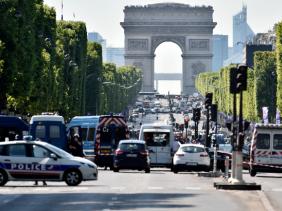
226 164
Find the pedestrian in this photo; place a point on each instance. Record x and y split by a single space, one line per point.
75 146
176 145
43 181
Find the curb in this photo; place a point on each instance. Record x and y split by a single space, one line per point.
229 186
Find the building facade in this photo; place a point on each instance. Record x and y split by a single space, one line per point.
191 28
220 51
242 35
115 55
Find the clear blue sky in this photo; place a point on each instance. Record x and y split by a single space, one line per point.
104 16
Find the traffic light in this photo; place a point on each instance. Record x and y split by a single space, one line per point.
196 114
233 80
246 125
208 100
238 79
241 78
181 127
214 112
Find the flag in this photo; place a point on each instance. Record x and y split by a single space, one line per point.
265 115
277 116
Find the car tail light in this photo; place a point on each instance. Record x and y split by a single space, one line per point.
179 154
204 155
119 152
145 153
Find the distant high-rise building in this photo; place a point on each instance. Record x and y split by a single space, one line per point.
96 37
115 55
220 51
242 35
242 32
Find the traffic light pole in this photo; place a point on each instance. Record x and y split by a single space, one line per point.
208 143
237 158
196 129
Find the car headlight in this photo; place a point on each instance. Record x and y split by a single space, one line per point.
89 165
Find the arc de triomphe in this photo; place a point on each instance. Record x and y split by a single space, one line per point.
191 28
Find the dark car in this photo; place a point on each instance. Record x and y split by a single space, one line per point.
132 154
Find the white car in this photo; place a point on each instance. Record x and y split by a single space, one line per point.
37 161
191 157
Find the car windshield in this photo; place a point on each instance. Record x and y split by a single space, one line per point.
132 147
59 151
192 149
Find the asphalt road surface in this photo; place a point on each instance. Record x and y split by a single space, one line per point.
133 190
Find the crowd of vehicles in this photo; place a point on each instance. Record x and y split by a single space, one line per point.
106 141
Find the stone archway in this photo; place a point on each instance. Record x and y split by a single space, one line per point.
191 28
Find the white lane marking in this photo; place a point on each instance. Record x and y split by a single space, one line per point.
79 188
118 188
193 188
41 189
111 204
114 198
266 203
155 188
277 189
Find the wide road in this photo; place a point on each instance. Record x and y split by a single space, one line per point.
129 190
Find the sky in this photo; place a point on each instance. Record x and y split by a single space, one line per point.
104 16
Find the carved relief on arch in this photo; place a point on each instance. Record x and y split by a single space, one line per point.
157 40
198 68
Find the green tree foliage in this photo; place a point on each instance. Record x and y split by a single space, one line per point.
260 91
93 78
120 87
265 83
41 95
71 67
279 64
17 31
1 57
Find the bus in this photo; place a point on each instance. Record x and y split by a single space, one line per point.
100 136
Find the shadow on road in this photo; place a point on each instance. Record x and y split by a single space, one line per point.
101 201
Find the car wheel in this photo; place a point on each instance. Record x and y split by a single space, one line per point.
3 178
253 172
73 177
147 170
115 169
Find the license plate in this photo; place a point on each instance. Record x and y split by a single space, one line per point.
191 164
132 155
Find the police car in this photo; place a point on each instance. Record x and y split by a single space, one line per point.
37 160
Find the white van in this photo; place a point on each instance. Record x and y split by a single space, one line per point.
159 139
266 149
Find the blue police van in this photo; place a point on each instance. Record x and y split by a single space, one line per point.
86 127
49 128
